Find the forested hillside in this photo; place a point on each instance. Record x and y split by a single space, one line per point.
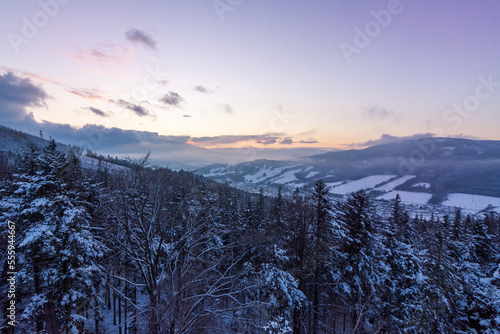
446 165
150 250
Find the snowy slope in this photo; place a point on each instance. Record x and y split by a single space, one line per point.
263 174
286 177
407 197
472 202
92 163
364 183
393 184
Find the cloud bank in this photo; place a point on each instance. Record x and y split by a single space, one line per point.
388 139
18 93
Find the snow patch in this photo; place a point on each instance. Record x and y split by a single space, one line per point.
311 174
393 184
408 197
364 183
286 177
263 174
472 202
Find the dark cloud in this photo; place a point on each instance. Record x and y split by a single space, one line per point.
286 141
140 37
17 93
140 111
98 112
227 108
187 116
88 93
20 91
309 141
202 89
172 99
267 140
30 75
388 139
374 112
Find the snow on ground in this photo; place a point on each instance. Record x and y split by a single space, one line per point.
422 184
364 183
407 197
93 163
334 184
393 184
263 173
472 202
311 174
286 177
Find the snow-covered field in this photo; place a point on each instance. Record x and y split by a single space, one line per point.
286 177
422 184
335 184
364 183
93 163
408 197
470 202
263 174
393 184
311 174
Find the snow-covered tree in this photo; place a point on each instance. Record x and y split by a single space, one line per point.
363 268
58 252
402 289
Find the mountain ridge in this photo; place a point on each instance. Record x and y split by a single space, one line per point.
448 165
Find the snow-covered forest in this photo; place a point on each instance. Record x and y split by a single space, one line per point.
149 250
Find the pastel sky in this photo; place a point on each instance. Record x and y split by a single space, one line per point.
262 73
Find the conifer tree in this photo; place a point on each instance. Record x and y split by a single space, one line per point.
363 266
59 254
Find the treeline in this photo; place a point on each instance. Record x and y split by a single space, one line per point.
113 160
150 250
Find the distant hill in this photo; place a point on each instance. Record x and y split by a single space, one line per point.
17 142
433 166
455 172
448 164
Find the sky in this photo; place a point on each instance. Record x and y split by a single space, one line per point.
192 78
